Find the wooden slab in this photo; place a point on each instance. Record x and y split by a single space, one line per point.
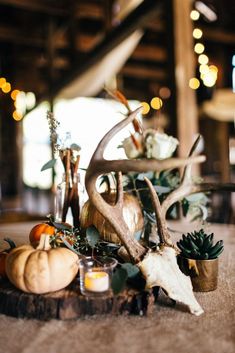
70 304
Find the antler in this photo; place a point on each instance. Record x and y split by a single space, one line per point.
188 187
98 165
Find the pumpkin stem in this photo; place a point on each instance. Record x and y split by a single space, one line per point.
44 243
11 243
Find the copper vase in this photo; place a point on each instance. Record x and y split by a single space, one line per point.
203 273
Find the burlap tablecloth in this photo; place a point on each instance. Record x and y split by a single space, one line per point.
168 329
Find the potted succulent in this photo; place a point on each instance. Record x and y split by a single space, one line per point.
199 259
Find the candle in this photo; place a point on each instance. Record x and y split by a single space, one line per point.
96 281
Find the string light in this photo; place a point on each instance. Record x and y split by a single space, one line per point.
156 103
2 81
17 115
199 48
194 15
22 100
14 94
203 59
194 83
197 33
146 108
208 74
6 88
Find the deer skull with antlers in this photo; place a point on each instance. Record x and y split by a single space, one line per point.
159 268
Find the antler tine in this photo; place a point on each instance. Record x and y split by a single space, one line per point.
119 199
98 154
114 214
188 168
187 187
161 222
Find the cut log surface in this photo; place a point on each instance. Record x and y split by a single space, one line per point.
69 303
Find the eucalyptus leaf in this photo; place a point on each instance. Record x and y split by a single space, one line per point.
75 147
141 176
131 269
196 197
138 234
49 164
162 189
119 280
92 236
62 226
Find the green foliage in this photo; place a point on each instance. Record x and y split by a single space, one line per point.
119 280
75 147
200 246
121 275
50 164
92 236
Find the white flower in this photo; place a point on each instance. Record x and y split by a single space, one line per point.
133 146
159 145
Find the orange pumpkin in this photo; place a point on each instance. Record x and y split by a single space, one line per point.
38 230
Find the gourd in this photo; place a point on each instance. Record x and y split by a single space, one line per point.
132 214
38 230
43 269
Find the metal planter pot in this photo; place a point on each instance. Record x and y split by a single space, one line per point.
203 273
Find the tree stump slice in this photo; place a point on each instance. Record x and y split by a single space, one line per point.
69 303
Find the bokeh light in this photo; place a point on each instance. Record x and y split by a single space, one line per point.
2 81
194 15
30 100
194 83
6 88
203 59
164 92
17 115
14 94
146 108
199 48
156 103
197 33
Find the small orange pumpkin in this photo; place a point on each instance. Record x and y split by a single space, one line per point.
38 230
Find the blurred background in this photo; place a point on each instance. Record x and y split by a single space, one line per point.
175 57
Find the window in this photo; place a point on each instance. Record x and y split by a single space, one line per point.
87 119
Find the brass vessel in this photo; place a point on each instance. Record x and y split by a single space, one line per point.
203 273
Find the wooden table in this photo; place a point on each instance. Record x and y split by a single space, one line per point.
169 329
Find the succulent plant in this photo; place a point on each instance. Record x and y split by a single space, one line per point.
200 246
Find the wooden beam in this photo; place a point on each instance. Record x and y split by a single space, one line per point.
136 20
150 52
82 10
218 36
89 10
187 114
144 72
36 6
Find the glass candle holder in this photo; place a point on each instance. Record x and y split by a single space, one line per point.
96 275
